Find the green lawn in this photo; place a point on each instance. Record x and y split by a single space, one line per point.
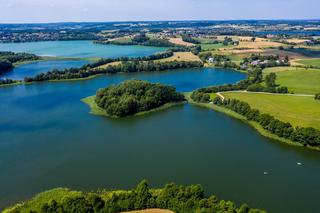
213 96
207 47
299 111
310 62
298 80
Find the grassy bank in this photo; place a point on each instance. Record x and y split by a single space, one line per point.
96 110
254 124
302 111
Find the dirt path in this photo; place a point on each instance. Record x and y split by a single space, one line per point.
268 93
220 95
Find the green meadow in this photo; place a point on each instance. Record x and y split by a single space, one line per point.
301 111
298 80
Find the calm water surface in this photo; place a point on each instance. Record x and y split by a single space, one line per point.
79 49
48 139
34 68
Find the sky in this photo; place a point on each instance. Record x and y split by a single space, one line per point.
30 11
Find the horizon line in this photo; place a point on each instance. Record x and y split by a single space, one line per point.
177 20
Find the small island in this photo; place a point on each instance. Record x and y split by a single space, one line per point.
133 97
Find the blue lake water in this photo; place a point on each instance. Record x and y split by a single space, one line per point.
79 49
48 139
34 68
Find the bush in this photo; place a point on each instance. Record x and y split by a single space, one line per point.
200 97
317 96
255 88
172 197
133 96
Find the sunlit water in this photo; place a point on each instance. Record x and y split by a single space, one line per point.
48 139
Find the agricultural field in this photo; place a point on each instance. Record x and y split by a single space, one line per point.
296 40
179 41
120 40
301 111
109 64
309 62
298 80
181 56
263 44
208 47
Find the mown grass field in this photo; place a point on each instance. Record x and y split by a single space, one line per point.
181 56
310 62
298 80
298 110
207 47
120 40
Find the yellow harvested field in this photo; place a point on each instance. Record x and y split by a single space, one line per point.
296 40
248 38
247 51
182 56
109 64
258 44
179 41
151 211
241 38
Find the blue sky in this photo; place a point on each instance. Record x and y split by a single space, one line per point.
17 11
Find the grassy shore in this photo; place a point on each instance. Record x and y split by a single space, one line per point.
96 110
301 111
254 124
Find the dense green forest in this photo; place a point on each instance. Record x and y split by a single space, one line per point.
187 38
7 59
173 197
133 96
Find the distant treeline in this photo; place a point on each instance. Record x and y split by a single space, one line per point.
187 38
138 64
305 136
141 39
7 59
180 199
133 96
126 66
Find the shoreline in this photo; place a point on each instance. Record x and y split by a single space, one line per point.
253 124
96 110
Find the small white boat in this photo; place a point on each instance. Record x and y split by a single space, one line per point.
265 173
299 164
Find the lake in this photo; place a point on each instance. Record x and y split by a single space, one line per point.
79 49
48 139
34 68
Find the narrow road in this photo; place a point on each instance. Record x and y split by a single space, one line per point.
220 95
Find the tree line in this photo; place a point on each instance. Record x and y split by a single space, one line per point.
189 39
127 66
7 59
180 199
307 136
133 96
